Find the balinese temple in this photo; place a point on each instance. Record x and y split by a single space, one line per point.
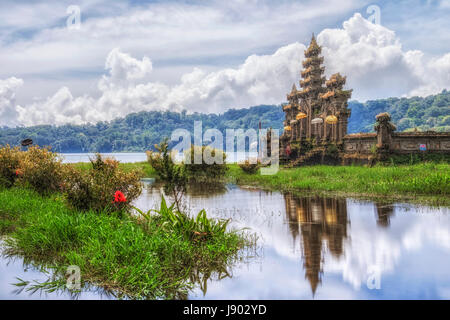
318 111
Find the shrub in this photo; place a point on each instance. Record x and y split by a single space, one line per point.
103 188
41 170
250 167
205 171
172 175
9 165
165 168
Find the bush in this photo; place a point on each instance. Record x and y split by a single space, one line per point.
104 188
250 167
41 170
172 175
205 171
165 168
9 166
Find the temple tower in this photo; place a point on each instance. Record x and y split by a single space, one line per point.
312 84
334 109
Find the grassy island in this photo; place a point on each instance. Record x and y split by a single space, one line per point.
121 254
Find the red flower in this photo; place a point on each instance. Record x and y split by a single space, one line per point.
119 197
18 172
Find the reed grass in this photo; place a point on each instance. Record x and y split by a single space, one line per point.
420 180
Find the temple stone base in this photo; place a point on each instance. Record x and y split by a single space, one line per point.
368 148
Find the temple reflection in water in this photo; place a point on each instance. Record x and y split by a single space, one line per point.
322 225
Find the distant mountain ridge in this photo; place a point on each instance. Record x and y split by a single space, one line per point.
140 131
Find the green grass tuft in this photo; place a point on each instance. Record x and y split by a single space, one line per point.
126 255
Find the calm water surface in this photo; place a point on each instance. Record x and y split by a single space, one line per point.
328 248
129 157
313 247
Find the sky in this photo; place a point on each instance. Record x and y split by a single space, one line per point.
207 56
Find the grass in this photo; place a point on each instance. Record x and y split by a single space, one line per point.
421 181
136 258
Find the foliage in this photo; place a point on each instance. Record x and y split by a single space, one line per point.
97 189
137 131
173 176
124 255
41 170
192 228
205 170
332 150
428 113
250 167
165 168
9 165
416 158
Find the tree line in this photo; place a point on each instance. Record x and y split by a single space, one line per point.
138 132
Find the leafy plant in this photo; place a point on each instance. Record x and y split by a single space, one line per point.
193 228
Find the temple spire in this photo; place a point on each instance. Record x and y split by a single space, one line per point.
313 75
294 88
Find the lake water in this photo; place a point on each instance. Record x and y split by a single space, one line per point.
314 247
129 157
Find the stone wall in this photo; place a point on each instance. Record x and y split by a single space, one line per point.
410 142
367 148
387 141
361 143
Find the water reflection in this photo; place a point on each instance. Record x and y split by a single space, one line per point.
319 221
384 213
25 279
316 247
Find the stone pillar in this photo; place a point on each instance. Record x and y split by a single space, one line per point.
384 128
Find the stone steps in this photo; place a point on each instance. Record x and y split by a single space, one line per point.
306 156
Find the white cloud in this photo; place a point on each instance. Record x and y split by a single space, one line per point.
8 108
372 58
259 79
124 69
370 55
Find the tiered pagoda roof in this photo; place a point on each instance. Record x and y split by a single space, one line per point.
313 79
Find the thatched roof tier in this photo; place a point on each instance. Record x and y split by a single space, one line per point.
312 61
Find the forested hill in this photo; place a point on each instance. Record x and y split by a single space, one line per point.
139 131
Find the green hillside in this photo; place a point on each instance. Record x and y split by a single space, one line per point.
139 131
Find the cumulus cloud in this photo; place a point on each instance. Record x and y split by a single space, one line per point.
370 55
260 79
8 109
124 69
376 66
